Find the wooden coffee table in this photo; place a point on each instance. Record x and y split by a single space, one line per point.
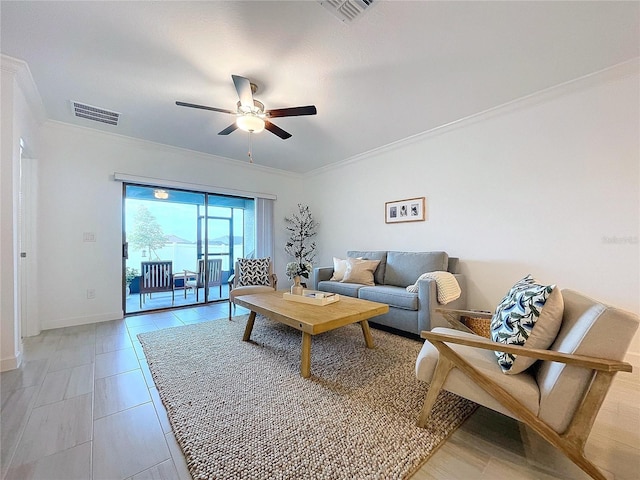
311 319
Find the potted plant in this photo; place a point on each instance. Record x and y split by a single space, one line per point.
129 275
302 227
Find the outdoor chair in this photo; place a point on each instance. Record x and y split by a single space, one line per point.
156 277
204 278
559 396
251 275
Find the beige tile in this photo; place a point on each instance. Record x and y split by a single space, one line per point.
127 443
118 392
71 464
74 341
118 361
160 410
138 320
54 387
16 407
29 374
73 357
163 471
81 381
110 343
144 366
42 346
55 427
618 458
167 322
452 462
113 327
178 457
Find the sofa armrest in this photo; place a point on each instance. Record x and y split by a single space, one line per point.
321 274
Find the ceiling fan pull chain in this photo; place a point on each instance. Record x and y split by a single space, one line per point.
250 147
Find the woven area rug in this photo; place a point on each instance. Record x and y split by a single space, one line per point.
241 410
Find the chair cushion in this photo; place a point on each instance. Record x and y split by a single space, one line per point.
249 290
360 271
589 328
522 387
404 268
530 314
253 271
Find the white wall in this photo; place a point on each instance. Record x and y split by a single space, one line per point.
19 121
548 185
78 194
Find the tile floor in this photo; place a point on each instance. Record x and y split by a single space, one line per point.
83 406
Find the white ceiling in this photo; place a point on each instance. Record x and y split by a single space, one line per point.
400 69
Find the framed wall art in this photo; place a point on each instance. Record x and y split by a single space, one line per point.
410 210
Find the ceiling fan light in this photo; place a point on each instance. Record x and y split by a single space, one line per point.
250 123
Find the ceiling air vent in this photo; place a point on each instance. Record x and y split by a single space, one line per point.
95 113
346 10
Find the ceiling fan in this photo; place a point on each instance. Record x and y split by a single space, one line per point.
251 115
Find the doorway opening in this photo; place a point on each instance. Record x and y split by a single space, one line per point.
180 246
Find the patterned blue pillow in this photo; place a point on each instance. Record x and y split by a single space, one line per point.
527 305
253 271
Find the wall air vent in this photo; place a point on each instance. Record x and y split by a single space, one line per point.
95 113
346 10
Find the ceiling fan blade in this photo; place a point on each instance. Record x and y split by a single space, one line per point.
229 129
243 87
204 107
292 111
276 130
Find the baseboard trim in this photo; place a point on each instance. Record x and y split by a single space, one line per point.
83 320
10 363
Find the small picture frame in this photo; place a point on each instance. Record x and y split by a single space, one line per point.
410 210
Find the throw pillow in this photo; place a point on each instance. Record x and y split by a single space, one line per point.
530 314
339 268
360 271
253 271
447 286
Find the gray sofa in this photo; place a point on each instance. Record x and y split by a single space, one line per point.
409 312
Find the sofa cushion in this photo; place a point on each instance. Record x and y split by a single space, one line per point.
378 275
404 268
530 314
360 271
393 296
348 289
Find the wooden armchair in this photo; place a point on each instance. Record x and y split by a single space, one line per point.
156 277
251 275
204 278
560 396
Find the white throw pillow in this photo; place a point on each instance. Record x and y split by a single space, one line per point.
360 271
339 269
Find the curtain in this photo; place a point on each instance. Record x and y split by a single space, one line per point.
264 228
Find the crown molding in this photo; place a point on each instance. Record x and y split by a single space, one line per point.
22 74
611 74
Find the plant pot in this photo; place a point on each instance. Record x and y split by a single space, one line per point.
296 288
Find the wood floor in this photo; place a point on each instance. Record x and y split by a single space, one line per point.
83 406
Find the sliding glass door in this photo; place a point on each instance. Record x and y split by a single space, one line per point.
180 246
